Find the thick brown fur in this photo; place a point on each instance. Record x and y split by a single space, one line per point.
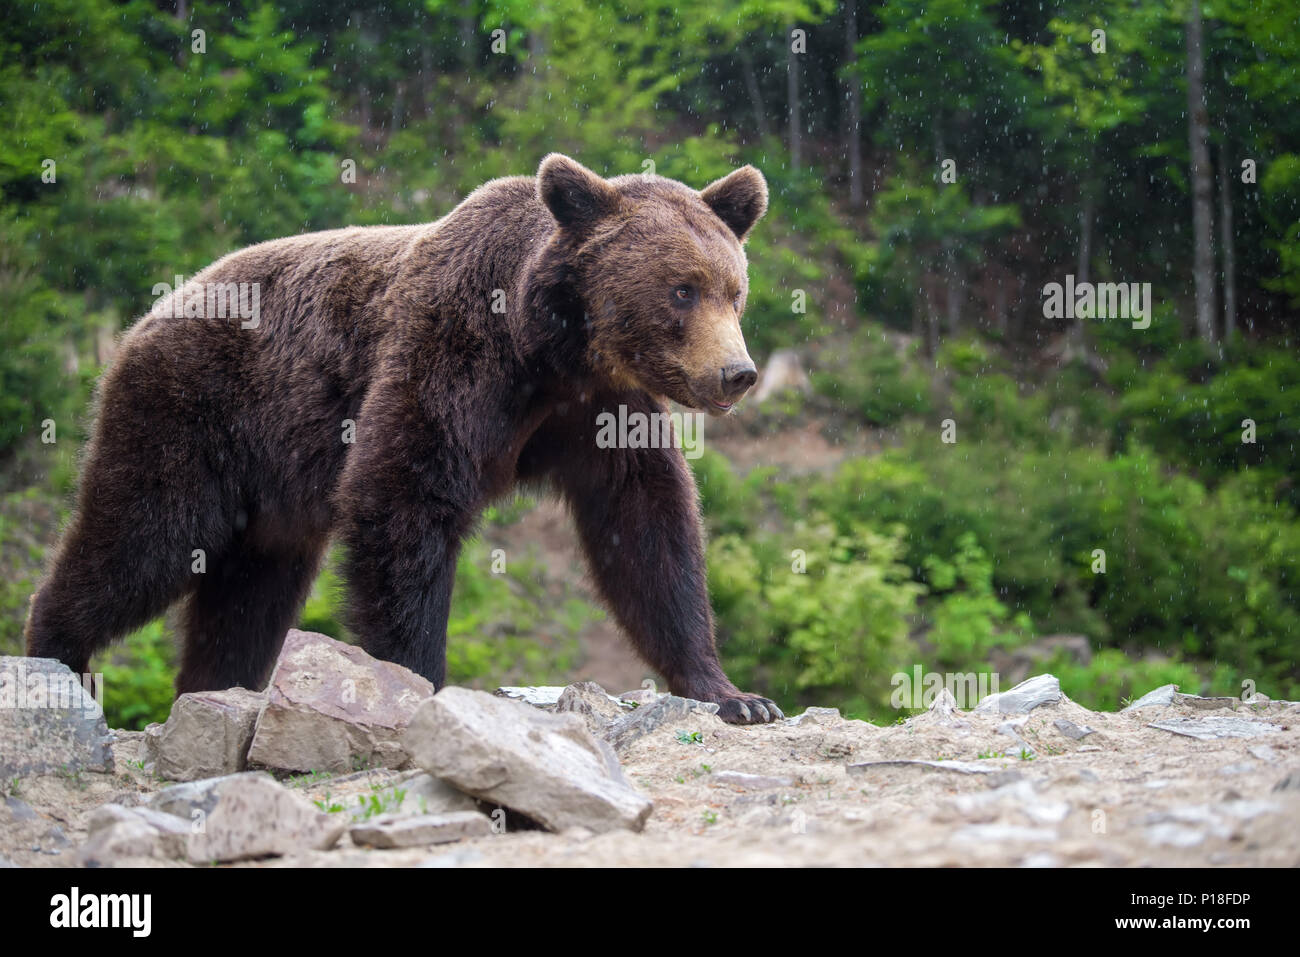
231 440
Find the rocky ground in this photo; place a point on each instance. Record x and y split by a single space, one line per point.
574 777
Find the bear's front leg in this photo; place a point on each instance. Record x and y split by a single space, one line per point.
404 505
637 515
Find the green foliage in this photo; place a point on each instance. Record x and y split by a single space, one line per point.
138 678
814 614
968 622
878 380
1203 425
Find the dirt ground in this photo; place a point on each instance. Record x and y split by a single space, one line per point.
1127 795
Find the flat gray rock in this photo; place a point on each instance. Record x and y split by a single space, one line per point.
421 829
750 782
954 767
1208 729
547 767
818 716
539 696
48 722
1023 698
1071 730
332 707
1205 704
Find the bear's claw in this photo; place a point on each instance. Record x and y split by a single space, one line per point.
749 709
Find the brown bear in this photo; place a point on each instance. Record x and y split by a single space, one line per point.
394 381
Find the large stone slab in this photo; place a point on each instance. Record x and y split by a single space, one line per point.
547 767
245 816
332 707
49 723
1208 729
207 734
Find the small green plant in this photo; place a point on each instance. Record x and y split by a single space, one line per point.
328 806
74 777
690 737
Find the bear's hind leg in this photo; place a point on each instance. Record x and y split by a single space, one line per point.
235 622
116 568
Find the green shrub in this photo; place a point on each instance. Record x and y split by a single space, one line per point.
138 677
875 379
812 614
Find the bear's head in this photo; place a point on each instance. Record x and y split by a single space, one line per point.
660 274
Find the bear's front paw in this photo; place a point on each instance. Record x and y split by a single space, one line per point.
748 709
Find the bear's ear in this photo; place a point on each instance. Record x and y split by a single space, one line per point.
739 199
576 197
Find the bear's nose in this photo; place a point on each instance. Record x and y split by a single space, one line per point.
738 377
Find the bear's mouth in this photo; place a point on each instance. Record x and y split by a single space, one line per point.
717 407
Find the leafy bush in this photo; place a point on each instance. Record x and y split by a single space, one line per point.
138 677
1203 425
813 614
875 379
967 622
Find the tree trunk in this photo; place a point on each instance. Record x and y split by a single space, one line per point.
1000 308
792 93
953 283
183 15
1082 269
854 105
755 94
1075 339
1202 188
468 49
399 106
1226 241
426 71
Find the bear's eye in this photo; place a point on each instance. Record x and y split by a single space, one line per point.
735 303
684 295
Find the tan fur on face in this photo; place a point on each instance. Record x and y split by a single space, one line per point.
665 236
